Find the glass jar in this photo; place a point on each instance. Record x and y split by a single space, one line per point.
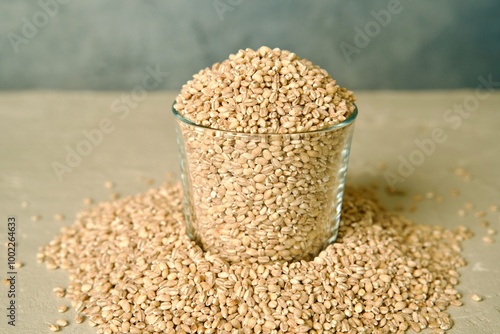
263 197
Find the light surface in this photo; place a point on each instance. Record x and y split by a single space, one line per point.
37 127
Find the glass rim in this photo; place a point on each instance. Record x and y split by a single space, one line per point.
340 125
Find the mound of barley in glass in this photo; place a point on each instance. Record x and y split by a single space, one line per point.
264 141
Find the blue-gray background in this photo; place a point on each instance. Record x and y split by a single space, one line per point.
106 45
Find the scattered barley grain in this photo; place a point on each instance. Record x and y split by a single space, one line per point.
62 309
476 298
59 292
468 206
109 185
62 322
161 281
484 223
88 201
58 217
480 214
114 196
54 328
488 240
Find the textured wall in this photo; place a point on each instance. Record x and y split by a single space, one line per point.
112 44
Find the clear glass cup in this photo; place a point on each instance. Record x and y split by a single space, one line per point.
263 197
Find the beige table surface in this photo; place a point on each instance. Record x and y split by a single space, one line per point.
36 129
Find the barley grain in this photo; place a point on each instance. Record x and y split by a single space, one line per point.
86 287
480 214
62 309
488 239
192 288
114 195
109 185
468 206
59 292
79 318
484 223
87 201
476 298
58 217
62 323
54 328
148 181
460 171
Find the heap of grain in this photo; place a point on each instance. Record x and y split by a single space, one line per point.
134 270
264 163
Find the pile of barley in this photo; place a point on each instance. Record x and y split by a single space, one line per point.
264 91
260 186
134 270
